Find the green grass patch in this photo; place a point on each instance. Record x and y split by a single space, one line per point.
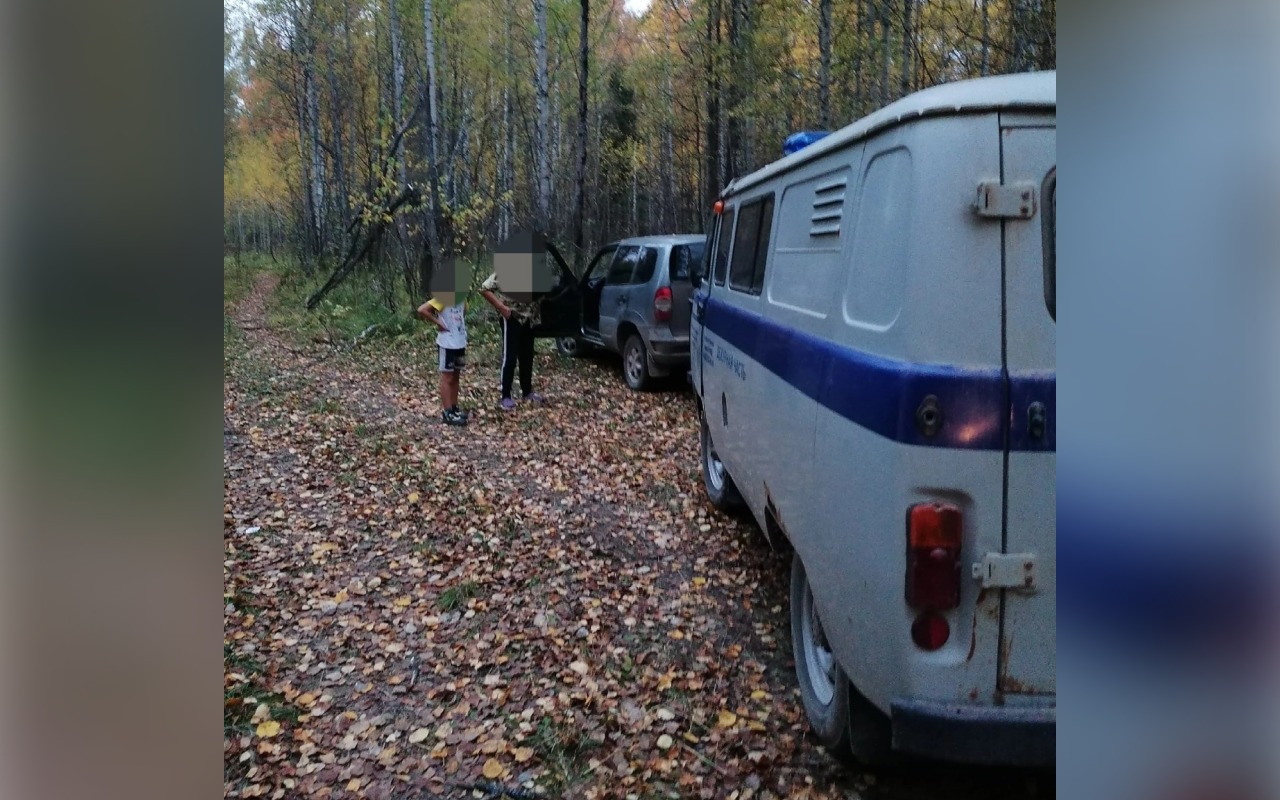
455 596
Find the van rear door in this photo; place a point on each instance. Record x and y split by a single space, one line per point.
1025 572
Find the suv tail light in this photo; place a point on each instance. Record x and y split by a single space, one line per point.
662 304
933 557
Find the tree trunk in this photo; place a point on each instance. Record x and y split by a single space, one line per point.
986 40
860 44
317 159
824 65
580 195
432 254
666 216
714 159
904 85
542 128
732 155
885 56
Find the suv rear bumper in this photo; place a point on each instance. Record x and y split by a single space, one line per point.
669 352
1003 735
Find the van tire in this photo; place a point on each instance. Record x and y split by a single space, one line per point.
824 688
721 490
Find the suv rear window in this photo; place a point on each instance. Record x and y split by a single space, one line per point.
683 257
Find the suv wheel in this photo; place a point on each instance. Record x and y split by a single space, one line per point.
635 363
570 346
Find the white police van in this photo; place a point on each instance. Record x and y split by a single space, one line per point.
874 360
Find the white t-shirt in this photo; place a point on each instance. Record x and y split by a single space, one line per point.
454 319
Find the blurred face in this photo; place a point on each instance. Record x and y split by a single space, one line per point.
522 266
451 281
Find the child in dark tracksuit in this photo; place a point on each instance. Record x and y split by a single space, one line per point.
518 321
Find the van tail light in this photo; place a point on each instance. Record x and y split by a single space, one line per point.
933 557
662 304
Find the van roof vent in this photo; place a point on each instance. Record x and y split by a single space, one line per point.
828 208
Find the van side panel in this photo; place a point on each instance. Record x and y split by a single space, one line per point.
809 244
919 301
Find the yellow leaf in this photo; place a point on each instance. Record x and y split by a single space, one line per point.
419 735
493 769
353 784
340 597
404 601
523 754
757 695
699 581
727 719
413 497
690 738
268 729
676 634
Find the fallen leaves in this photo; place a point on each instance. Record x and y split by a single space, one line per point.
514 601
266 730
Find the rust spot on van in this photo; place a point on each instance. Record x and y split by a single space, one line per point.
973 694
973 637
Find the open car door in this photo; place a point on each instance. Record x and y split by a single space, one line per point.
562 307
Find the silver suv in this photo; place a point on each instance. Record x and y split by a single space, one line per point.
633 300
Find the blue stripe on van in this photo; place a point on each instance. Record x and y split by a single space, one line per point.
882 394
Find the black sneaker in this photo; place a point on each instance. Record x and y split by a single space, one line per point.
453 418
465 414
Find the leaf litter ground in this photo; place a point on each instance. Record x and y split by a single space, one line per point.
542 601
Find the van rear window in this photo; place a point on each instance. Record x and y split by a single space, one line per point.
1049 226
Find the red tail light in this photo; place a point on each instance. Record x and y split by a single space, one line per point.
930 631
662 304
933 557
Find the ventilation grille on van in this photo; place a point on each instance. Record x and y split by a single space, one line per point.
828 208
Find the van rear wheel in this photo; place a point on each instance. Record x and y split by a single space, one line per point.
720 488
847 724
824 688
